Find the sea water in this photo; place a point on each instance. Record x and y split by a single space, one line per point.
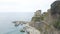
6 25
15 31
10 29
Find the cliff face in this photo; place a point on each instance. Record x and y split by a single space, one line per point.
55 14
48 22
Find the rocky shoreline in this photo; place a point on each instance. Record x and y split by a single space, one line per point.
44 23
29 29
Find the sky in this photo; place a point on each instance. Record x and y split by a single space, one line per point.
24 5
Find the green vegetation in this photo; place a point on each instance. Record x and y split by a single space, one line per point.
42 17
47 27
45 14
40 29
36 19
57 24
22 31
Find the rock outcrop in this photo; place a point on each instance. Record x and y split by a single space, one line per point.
48 22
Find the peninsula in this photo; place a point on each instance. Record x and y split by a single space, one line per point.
44 23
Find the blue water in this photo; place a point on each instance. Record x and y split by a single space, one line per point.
6 19
10 29
15 31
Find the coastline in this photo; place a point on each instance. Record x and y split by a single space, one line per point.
31 30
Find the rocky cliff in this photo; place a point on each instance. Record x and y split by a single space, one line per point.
48 22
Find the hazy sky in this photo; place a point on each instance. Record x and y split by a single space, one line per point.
24 5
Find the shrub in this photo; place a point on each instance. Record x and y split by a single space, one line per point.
57 24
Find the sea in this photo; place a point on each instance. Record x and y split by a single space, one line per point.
6 19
